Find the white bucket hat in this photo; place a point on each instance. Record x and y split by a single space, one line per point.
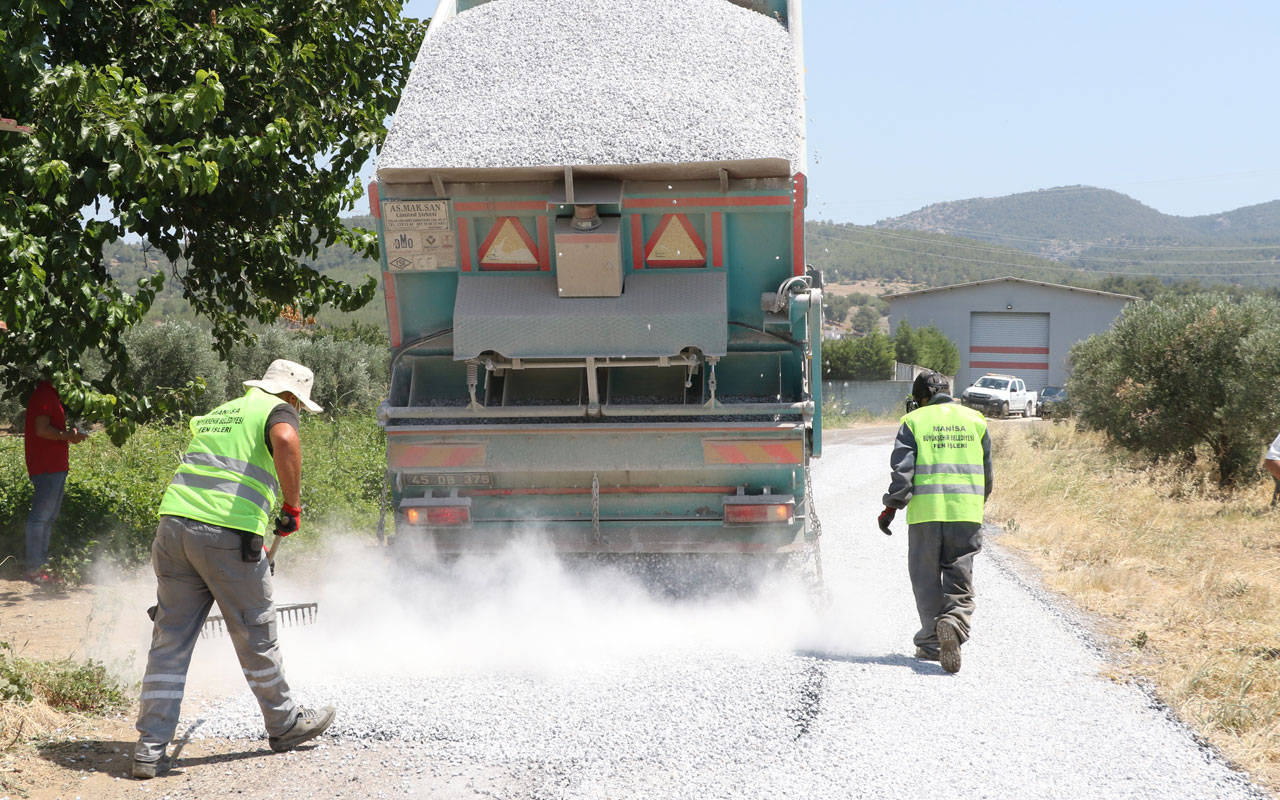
286 376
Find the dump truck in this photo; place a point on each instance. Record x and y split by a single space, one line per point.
604 358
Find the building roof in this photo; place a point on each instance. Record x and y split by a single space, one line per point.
913 293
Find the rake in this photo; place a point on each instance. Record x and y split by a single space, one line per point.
294 614
290 615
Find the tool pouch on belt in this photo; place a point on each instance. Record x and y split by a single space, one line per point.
250 547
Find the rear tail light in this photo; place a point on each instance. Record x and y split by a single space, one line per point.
439 516
758 513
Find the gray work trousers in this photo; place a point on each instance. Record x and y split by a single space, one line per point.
195 565
940 560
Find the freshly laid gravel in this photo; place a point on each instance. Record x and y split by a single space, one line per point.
516 83
516 679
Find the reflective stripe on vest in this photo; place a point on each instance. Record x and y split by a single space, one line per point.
227 476
950 482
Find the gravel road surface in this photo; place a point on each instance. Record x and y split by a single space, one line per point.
515 680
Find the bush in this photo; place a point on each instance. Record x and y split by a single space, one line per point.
350 373
926 347
869 358
173 354
1184 373
113 492
86 687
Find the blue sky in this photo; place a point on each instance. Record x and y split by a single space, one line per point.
913 102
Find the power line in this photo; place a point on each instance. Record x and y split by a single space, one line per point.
1011 236
1078 270
1078 258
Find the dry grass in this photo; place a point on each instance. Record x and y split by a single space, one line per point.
1186 578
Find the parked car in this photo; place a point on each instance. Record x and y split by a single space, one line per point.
1053 401
998 395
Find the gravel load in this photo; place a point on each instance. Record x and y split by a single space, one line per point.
518 680
522 83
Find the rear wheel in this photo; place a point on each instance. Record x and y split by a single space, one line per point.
1026 412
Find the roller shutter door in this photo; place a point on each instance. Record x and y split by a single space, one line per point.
1011 343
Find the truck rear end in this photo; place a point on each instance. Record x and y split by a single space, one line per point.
603 357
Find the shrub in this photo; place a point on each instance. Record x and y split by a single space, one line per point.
869 358
173 354
926 347
84 687
350 373
113 492
1182 373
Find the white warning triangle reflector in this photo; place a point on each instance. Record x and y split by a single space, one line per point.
675 244
508 246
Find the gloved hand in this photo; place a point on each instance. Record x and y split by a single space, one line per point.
885 518
289 520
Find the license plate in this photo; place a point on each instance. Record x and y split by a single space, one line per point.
448 479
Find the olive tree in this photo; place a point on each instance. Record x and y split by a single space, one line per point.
1185 372
227 138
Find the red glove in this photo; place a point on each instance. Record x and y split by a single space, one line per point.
289 520
885 518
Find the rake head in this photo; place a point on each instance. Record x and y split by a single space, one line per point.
291 615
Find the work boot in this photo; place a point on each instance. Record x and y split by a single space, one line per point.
926 655
145 770
311 722
949 640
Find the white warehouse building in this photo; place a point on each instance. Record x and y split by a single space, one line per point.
1011 326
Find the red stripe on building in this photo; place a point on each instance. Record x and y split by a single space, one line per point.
637 241
1025 351
544 245
717 239
1008 364
393 311
705 202
797 226
375 207
513 205
464 245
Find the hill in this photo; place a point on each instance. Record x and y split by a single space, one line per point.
1102 231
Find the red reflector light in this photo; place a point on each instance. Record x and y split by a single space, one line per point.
439 515
758 513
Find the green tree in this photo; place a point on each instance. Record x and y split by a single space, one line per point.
835 307
936 351
865 320
228 138
1183 373
904 344
868 358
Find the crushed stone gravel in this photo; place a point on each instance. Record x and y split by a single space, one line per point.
519 681
516 83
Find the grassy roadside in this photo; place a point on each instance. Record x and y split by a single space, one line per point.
1187 580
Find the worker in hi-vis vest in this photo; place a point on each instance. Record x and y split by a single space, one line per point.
208 548
941 473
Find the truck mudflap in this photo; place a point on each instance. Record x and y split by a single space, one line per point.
603 488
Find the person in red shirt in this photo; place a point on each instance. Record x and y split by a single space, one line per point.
46 443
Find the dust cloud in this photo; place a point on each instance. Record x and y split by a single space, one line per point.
389 612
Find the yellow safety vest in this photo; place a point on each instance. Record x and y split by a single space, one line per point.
228 476
949 483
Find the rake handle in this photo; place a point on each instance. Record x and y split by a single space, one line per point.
271 553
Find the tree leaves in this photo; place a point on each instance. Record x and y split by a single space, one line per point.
229 140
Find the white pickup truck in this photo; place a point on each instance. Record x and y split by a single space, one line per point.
998 395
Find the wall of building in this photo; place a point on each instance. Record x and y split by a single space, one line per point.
1075 315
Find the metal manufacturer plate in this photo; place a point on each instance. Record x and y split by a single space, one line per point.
451 479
